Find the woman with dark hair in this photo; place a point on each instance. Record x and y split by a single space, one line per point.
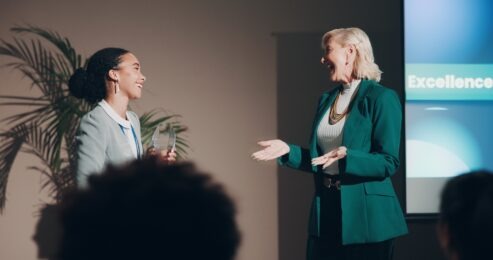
109 133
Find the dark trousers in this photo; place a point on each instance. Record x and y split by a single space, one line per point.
329 245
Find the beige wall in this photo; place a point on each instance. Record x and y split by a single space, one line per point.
213 62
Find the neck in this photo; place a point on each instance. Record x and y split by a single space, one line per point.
348 80
119 104
350 84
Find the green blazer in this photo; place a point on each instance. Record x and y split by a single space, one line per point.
370 209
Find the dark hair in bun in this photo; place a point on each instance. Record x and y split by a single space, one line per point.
90 83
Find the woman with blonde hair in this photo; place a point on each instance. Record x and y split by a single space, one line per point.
354 150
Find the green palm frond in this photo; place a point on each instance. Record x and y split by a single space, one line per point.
150 120
40 107
56 182
47 129
62 43
35 62
10 144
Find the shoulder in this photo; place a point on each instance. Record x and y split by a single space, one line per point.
95 123
96 116
382 99
378 92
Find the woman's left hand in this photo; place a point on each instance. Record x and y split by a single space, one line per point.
329 158
164 156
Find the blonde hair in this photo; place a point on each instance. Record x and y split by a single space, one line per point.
364 64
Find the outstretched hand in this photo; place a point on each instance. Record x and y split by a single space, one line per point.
272 149
329 158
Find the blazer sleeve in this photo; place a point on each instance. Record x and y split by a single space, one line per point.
383 159
91 152
298 158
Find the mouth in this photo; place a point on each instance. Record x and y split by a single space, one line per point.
331 68
140 86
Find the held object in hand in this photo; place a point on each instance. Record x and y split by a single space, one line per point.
158 139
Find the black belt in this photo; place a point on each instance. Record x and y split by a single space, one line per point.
332 181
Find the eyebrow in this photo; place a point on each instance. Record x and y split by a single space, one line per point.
136 63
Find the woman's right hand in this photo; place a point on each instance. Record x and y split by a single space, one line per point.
272 149
163 156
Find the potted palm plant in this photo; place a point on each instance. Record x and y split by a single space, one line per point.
48 128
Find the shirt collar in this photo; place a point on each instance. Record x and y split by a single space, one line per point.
351 86
112 113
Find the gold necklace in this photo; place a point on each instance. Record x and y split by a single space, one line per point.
335 117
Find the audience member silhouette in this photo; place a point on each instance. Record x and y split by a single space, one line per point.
147 210
466 214
47 233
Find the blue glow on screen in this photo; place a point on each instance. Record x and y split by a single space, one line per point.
444 142
448 130
448 31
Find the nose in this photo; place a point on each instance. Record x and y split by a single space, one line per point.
143 78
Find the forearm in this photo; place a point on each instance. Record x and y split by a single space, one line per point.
298 158
374 165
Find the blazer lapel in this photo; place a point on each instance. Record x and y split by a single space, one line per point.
325 104
354 117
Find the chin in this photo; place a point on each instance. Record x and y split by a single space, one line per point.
135 97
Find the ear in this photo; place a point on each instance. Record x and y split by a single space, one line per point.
113 75
350 52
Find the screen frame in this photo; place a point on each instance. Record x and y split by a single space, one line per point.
408 216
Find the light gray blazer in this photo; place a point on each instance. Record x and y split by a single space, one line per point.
101 142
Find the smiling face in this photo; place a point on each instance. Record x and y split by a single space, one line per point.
339 60
129 76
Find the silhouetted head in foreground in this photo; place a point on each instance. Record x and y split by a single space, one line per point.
149 211
466 214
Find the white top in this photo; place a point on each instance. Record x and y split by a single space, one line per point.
329 136
125 125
